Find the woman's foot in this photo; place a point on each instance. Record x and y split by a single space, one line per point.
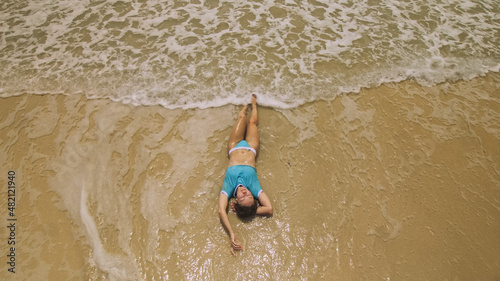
254 117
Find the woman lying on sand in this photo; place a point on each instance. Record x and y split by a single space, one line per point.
241 180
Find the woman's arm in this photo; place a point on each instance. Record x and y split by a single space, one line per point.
223 200
265 208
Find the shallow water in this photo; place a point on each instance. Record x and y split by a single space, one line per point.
398 182
199 54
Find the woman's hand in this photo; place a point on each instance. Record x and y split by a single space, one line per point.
225 222
235 245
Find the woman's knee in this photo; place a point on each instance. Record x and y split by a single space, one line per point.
253 121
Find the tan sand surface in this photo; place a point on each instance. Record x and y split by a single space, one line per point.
400 182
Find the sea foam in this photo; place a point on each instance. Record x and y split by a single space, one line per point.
197 55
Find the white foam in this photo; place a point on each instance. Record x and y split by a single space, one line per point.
118 268
196 56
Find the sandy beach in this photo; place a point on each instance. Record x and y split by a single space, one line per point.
399 182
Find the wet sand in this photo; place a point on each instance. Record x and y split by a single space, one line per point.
398 182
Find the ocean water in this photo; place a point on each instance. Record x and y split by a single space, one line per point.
115 117
198 54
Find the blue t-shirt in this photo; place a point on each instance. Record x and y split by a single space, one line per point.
244 175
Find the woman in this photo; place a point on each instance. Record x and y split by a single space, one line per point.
241 180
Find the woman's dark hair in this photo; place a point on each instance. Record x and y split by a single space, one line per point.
246 211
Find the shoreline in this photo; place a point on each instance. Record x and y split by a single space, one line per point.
278 106
112 190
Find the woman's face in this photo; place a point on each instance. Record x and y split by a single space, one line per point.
244 196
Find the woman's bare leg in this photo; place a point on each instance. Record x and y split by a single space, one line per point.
238 132
252 135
